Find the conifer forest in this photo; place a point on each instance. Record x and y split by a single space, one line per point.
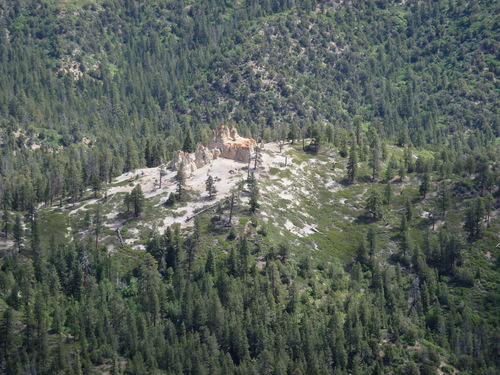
250 187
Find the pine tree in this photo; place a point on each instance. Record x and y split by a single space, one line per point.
232 202
131 156
444 197
127 201
488 205
87 219
424 186
6 332
189 145
283 251
294 132
375 158
403 138
74 181
371 239
362 253
404 224
254 194
96 185
391 166
374 204
357 128
257 157
408 210
149 154
388 193
6 221
402 172
35 234
18 231
159 152
352 163
210 262
137 200
97 221
483 172
210 187
316 139
405 235
474 217
329 134
181 180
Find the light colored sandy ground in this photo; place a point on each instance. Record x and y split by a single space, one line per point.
225 172
299 232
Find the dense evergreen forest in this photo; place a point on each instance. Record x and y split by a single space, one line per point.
404 94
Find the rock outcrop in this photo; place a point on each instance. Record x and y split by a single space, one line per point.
184 158
226 143
203 155
231 144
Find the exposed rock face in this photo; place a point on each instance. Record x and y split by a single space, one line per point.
181 157
231 144
225 143
203 156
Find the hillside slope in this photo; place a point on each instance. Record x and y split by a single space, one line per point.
366 241
401 292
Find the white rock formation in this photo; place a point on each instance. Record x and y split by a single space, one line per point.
225 143
231 144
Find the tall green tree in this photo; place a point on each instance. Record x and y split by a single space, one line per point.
180 180
483 172
404 235
254 194
127 201
374 204
474 217
357 128
98 223
424 186
443 197
149 155
388 193
137 200
316 138
375 155
131 156
18 231
189 145
352 163
35 234
96 185
294 132
7 332
232 203
488 205
74 181
210 187
6 221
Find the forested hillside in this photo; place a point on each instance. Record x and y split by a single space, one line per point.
391 112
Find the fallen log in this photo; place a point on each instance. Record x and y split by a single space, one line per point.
122 243
189 218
